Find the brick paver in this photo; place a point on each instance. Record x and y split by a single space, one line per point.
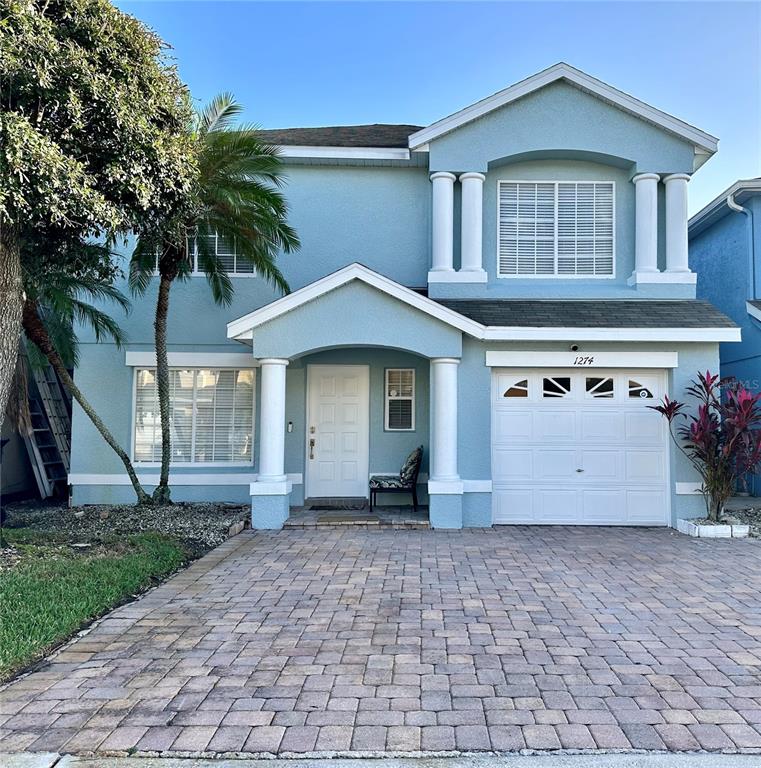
338 639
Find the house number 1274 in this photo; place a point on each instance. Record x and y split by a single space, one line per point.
586 360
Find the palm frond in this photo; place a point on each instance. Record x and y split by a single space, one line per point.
142 266
218 114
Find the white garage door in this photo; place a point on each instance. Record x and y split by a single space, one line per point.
574 447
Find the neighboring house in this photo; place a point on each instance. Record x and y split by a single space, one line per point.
725 250
508 287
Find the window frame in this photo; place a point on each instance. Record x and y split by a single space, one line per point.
189 464
387 400
556 275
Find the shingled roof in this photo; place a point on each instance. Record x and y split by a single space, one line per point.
376 135
542 313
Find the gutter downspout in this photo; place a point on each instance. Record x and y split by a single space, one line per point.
734 206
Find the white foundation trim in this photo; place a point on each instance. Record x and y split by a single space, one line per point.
476 276
581 359
274 488
753 311
229 478
193 360
445 487
562 71
687 489
476 486
669 278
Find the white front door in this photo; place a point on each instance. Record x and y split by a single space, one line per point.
579 448
338 430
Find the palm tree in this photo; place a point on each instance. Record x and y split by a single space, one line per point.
236 197
54 303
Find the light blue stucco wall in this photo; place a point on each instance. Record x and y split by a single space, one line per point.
721 256
560 116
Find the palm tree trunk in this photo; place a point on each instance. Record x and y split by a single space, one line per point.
11 302
37 333
161 493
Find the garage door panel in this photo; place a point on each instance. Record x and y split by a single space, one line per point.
555 464
514 506
603 507
645 466
512 464
513 425
602 465
539 444
556 506
555 425
644 426
601 424
645 507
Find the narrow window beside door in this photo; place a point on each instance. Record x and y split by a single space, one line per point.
400 399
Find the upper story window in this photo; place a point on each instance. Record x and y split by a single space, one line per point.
556 229
226 253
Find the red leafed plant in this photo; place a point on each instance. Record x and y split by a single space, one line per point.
722 439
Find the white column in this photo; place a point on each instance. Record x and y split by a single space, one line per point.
646 222
472 222
442 236
272 421
676 222
444 428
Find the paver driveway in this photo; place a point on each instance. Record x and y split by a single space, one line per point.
337 639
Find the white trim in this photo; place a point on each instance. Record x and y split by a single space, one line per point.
387 400
458 277
687 489
718 206
753 311
556 275
498 359
476 486
562 71
227 478
343 153
670 278
242 328
271 488
445 487
187 360
520 333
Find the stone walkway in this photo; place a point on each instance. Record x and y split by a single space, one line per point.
346 639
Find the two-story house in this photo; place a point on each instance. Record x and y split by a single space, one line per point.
725 251
508 287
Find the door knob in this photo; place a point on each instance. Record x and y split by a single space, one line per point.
579 470
311 448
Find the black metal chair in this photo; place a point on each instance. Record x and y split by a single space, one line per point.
404 482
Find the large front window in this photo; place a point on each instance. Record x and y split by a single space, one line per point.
211 411
556 229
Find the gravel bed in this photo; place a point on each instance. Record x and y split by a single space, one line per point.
199 526
750 516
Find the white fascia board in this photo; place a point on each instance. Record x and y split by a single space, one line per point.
194 360
754 312
344 153
622 359
718 206
700 139
500 333
242 328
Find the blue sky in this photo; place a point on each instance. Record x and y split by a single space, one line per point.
304 64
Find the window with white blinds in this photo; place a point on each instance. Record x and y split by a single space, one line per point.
556 229
225 252
400 399
211 412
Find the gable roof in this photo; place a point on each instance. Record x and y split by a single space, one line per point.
717 208
375 135
511 320
704 142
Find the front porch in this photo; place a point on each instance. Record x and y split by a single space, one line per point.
315 514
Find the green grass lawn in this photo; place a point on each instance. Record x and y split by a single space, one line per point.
53 589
